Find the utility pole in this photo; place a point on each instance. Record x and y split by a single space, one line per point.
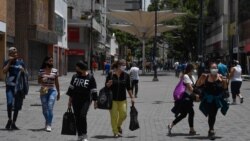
200 38
91 37
155 43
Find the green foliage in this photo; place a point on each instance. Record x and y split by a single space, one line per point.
127 40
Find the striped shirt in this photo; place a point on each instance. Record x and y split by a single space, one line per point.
50 78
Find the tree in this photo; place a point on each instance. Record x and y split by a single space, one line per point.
126 40
183 41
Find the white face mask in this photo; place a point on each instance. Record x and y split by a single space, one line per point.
123 68
213 71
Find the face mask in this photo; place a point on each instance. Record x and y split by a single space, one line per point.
213 71
123 68
79 73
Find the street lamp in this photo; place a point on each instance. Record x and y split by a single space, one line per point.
155 43
91 37
200 38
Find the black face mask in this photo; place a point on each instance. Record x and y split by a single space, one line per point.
50 65
79 73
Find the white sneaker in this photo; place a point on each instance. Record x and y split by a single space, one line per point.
82 138
48 128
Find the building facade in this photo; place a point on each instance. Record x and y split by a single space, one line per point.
86 32
35 32
243 22
60 49
216 30
3 24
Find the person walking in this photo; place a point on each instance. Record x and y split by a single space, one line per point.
184 106
12 67
119 82
213 98
236 81
49 92
134 73
107 67
82 91
222 68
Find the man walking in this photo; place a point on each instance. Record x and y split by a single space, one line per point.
134 73
12 67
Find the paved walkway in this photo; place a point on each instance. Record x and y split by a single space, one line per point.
153 103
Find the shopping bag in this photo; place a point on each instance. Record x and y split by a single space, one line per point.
69 123
179 90
134 124
105 97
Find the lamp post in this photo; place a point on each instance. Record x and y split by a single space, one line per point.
91 37
155 43
200 38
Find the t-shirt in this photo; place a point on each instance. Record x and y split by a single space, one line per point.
51 77
222 69
82 87
187 80
134 72
13 71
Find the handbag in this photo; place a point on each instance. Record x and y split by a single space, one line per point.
44 90
134 124
69 123
105 97
179 90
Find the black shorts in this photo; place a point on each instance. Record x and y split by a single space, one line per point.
235 87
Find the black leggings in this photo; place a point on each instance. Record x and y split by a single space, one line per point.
135 85
80 110
190 113
212 112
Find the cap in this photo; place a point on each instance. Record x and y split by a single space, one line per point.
12 50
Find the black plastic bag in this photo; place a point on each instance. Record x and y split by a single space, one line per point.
134 124
69 123
105 98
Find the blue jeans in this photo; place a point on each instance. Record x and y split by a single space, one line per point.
48 101
13 100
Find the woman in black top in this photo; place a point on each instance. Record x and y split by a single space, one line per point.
81 92
119 82
213 96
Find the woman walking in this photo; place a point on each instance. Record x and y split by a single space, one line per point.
49 92
184 106
119 82
81 92
213 96
236 81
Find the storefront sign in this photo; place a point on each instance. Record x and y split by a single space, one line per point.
75 52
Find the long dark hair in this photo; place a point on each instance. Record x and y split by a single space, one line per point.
188 68
45 60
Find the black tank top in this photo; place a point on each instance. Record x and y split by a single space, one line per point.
213 88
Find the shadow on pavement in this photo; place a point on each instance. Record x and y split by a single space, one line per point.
103 137
36 130
179 134
8 130
36 104
203 138
111 137
130 137
160 102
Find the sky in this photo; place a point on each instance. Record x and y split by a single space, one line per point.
147 2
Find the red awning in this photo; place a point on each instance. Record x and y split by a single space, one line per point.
75 52
247 48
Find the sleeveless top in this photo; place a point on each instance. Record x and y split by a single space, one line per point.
237 73
213 88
